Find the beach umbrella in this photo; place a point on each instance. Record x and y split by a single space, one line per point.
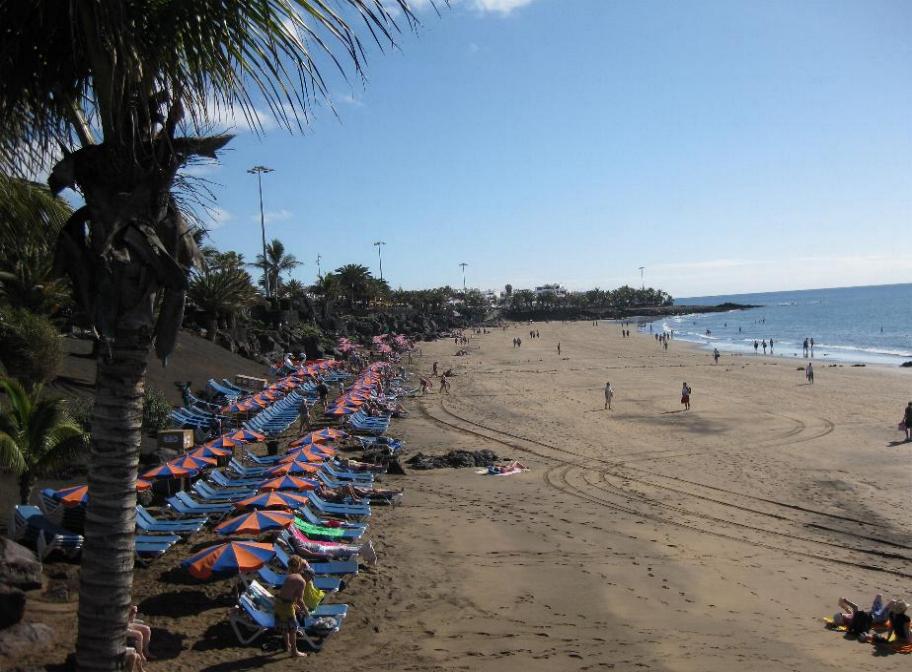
246 436
294 467
191 462
210 451
222 443
142 486
229 558
76 495
256 522
288 483
168 471
273 500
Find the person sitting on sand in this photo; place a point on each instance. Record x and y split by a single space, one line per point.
899 624
507 468
289 602
609 395
139 631
907 421
685 395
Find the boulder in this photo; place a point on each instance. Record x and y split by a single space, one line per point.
25 637
12 606
19 566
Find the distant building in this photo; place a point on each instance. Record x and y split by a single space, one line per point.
555 289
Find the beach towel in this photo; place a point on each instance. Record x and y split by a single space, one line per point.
500 471
308 529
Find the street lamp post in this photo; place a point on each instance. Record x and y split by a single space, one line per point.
463 266
258 171
319 272
642 280
379 245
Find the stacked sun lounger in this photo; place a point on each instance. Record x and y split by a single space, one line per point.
31 526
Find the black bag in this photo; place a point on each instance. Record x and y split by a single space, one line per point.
861 623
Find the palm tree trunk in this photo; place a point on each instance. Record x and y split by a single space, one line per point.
26 483
106 577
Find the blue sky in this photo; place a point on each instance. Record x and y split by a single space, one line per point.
725 146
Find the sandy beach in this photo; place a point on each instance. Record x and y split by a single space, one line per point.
641 538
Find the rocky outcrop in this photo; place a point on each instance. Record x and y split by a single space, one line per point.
12 606
455 459
25 637
19 567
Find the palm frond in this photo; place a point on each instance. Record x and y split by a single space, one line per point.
107 56
11 459
63 443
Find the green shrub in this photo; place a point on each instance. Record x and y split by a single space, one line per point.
29 346
155 411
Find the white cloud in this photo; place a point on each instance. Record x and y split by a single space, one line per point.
219 217
348 99
273 216
502 7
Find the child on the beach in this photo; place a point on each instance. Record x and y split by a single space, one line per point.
685 395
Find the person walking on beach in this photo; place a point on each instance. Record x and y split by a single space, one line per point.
558 348
764 346
812 347
435 369
809 373
715 355
444 384
771 346
805 347
756 345
907 421
609 395
685 395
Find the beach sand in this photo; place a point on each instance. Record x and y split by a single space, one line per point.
641 538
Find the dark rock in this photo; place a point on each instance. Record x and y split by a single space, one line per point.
906 365
12 606
455 459
19 566
25 637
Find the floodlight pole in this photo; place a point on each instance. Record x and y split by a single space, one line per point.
258 171
379 245
642 281
463 266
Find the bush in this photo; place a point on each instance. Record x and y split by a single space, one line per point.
155 411
29 346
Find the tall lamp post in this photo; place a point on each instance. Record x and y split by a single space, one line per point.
642 280
319 272
258 171
379 245
462 265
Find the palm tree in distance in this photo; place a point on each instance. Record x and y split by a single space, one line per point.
354 282
276 263
37 436
122 87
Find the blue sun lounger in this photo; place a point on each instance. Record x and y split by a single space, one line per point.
185 505
209 494
146 522
250 621
336 510
350 531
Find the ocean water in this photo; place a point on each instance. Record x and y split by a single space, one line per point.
850 324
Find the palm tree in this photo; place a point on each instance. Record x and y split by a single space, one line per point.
354 282
30 219
37 436
275 264
114 82
222 290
